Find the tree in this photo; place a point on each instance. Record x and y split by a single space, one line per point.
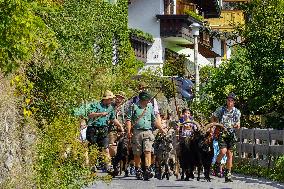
255 72
22 33
66 54
264 43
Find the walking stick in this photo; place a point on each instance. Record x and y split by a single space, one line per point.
177 167
175 100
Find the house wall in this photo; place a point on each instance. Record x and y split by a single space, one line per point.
142 15
217 46
217 49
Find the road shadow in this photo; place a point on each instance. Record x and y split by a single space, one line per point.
256 180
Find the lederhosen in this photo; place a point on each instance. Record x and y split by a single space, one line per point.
97 134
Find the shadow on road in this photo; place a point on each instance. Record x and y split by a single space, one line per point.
262 181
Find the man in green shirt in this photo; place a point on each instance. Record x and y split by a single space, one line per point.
139 119
100 115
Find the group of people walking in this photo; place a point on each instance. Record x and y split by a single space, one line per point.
140 119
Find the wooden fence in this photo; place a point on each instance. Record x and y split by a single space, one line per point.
260 146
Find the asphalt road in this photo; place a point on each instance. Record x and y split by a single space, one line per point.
240 182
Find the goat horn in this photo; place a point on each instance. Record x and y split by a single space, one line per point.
209 125
194 122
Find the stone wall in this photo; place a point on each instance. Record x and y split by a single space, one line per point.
16 141
171 105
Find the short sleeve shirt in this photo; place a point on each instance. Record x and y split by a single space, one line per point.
226 117
104 120
145 122
187 132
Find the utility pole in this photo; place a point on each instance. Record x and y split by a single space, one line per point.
195 32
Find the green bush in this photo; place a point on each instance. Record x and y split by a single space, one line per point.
140 34
275 173
61 158
194 15
278 171
66 58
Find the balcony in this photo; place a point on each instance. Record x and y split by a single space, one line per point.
205 44
140 47
210 8
228 20
205 39
176 27
181 7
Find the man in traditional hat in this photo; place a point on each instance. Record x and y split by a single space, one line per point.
142 87
100 115
118 106
139 119
229 116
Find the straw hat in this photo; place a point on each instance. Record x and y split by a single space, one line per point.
121 94
142 85
108 95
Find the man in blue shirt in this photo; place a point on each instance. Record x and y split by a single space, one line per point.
139 119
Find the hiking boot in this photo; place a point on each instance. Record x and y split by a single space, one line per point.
152 169
126 173
109 169
115 170
148 174
132 170
228 176
94 169
216 169
139 173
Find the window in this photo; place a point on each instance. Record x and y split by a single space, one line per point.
114 51
223 48
231 5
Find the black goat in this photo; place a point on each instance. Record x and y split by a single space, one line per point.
197 152
122 157
188 151
206 153
190 156
206 149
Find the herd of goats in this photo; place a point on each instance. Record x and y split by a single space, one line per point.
175 156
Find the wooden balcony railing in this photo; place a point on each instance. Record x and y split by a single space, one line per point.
183 6
140 48
227 20
175 26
